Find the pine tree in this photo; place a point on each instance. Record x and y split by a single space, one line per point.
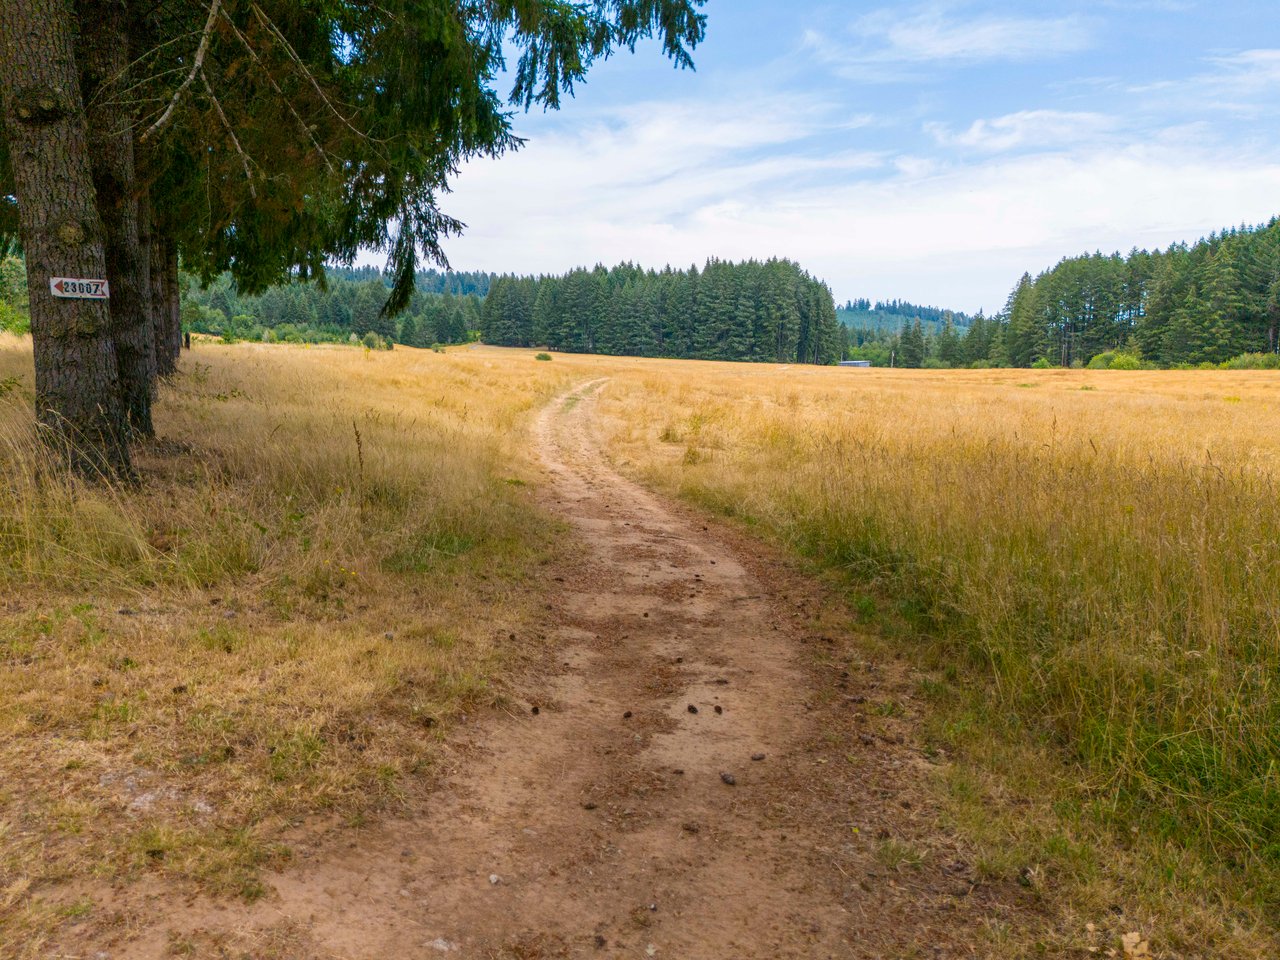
826 348
911 352
408 331
495 322
1025 340
546 311
635 319
366 314
998 353
1187 337
949 348
682 313
295 310
976 343
1222 308
780 311
1168 293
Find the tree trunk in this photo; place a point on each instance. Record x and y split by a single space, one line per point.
164 302
104 63
172 306
164 363
146 254
77 380
175 302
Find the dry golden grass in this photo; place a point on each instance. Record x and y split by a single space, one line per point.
1086 564
279 622
327 550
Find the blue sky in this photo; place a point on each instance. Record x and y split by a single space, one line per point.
931 152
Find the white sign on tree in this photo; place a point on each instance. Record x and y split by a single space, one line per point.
70 288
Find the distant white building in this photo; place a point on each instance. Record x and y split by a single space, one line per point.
855 363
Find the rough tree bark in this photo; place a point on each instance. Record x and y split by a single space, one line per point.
103 65
146 252
175 303
164 362
77 380
168 309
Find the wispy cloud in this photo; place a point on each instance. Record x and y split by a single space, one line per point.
1163 6
678 154
1035 129
1246 82
1248 72
942 34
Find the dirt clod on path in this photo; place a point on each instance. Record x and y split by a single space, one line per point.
693 785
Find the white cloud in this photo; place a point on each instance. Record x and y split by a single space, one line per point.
1249 72
1162 6
677 183
1245 83
1040 129
934 35
674 159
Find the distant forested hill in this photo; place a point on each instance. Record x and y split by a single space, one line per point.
893 315
771 311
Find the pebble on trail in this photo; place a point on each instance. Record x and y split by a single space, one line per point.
728 778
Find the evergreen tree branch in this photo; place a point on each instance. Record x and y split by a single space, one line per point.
244 157
196 65
306 72
302 124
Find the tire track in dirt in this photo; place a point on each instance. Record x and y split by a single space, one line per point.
617 821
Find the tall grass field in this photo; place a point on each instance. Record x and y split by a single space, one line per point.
1086 564
321 571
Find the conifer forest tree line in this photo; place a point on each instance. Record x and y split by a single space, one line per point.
771 311
1212 303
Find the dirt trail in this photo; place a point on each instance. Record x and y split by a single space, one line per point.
619 822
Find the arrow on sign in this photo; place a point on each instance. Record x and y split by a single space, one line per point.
71 288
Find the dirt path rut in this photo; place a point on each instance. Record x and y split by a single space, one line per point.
670 797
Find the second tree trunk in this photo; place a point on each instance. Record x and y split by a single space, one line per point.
104 65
